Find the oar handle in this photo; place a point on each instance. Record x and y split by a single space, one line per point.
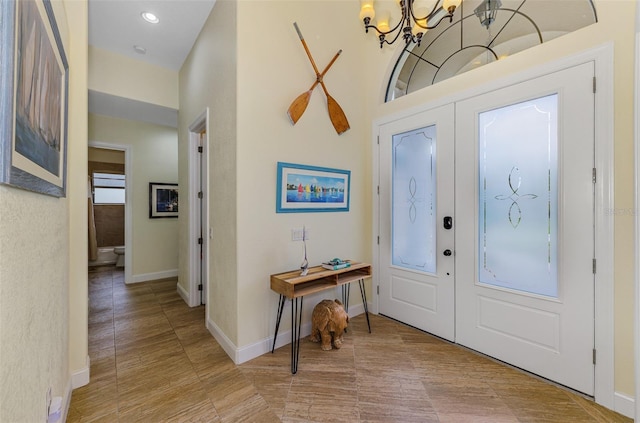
331 62
295 24
304 44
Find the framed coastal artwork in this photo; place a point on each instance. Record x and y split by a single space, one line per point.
163 200
303 188
34 84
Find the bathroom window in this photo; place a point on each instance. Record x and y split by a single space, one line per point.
108 188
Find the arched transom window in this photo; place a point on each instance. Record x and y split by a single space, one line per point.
481 32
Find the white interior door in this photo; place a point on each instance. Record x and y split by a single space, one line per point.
416 244
525 225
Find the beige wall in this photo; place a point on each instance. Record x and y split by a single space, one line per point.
250 132
154 152
118 75
208 79
266 136
616 25
41 287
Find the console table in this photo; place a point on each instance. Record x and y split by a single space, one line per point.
293 286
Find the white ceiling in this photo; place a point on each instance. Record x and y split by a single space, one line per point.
117 25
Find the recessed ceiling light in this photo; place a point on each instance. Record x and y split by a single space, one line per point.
140 49
150 17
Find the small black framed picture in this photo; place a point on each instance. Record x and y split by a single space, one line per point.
163 200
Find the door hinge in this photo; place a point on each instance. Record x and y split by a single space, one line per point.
594 84
200 287
200 241
593 175
378 139
378 289
200 195
594 266
378 240
378 189
200 149
594 356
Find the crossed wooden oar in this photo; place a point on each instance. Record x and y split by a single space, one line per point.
298 106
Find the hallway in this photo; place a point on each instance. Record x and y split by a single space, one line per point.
153 360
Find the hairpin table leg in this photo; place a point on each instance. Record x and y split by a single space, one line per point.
346 290
364 302
280 307
296 320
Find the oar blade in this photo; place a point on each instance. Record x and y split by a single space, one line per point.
337 116
298 106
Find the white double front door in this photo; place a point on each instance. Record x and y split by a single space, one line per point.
487 224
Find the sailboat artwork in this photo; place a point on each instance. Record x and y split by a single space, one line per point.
39 103
39 91
303 188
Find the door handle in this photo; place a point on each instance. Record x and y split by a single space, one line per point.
447 252
447 222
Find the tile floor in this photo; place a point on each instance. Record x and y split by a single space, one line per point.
153 360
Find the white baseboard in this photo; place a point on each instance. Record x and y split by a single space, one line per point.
183 294
81 377
284 338
262 347
66 402
624 404
358 309
145 277
226 344
249 352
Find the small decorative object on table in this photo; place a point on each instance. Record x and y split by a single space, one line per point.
328 323
336 264
305 263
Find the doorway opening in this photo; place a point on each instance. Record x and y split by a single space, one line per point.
106 169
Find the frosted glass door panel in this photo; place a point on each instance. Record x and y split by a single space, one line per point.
518 196
417 286
414 200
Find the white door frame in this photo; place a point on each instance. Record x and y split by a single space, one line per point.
602 56
128 207
201 123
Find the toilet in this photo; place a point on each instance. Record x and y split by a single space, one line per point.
119 251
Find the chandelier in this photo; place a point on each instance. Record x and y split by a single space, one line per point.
442 10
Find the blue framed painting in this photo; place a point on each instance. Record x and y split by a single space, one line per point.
305 189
